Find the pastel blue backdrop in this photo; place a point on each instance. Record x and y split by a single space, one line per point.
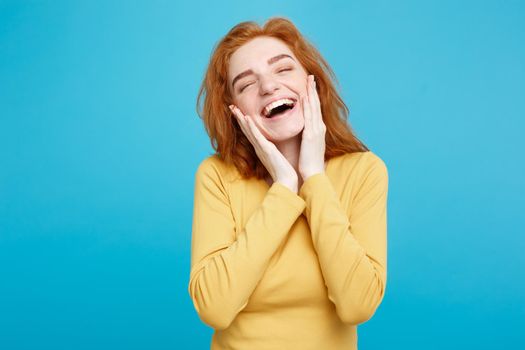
99 142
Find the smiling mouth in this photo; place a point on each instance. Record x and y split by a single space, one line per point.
279 110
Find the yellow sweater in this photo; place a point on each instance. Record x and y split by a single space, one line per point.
272 269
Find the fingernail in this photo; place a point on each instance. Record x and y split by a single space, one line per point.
231 107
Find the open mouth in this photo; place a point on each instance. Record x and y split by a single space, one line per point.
278 108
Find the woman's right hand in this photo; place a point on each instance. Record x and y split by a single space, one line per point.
277 165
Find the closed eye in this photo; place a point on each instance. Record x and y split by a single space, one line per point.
245 86
279 71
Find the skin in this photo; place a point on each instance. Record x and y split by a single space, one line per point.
291 148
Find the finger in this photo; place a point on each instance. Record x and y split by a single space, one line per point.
322 125
251 131
241 118
260 144
313 105
317 101
237 114
306 114
261 140
256 129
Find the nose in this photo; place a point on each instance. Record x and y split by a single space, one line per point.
268 85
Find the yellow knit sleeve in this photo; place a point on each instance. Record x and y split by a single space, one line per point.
351 248
225 267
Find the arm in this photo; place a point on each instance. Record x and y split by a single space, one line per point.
225 269
352 249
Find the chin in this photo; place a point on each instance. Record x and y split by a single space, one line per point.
284 128
278 136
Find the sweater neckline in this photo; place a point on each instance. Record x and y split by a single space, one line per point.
326 167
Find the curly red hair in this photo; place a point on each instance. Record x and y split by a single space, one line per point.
214 97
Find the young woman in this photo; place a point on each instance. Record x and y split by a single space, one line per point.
289 236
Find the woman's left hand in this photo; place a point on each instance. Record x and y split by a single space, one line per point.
311 158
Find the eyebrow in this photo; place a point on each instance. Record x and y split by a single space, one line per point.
249 71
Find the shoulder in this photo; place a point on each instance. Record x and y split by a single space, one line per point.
373 174
360 163
213 167
361 172
372 162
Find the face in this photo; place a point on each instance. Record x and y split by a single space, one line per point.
262 73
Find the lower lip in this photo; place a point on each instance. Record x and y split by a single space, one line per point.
283 115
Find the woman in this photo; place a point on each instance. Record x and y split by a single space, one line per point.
289 236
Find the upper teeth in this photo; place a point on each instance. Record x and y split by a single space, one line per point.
277 103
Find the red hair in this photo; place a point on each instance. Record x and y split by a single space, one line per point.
214 97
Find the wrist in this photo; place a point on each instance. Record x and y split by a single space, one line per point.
292 184
309 174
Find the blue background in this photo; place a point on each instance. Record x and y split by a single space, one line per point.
99 142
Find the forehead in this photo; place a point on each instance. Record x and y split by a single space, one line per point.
256 52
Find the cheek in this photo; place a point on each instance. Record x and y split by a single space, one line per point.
241 104
245 103
299 84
